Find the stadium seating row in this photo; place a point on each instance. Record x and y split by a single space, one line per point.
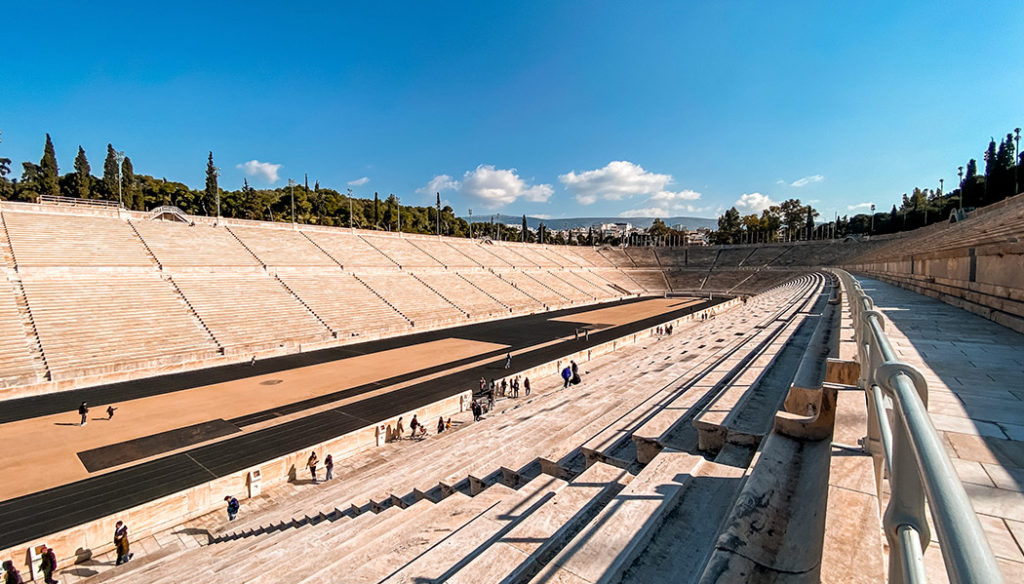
473 505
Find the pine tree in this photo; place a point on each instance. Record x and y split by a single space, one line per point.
211 195
130 190
82 177
49 174
110 179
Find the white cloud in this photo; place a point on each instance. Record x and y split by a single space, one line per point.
753 203
359 182
540 216
617 180
441 182
864 206
802 182
264 170
683 195
491 187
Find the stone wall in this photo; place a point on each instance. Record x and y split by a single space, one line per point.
986 280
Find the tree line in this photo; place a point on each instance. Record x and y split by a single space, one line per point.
922 206
301 203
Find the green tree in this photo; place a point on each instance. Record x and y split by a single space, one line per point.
211 194
49 178
376 211
811 214
658 229
730 228
110 179
130 187
771 222
793 214
522 236
83 180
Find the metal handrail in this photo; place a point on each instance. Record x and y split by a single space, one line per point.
901 436
74 201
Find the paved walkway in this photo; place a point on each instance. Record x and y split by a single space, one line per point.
975 374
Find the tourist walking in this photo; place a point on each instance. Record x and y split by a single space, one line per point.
311 464
508 360
329 466
110 412
526 386
440 424
232 507
476 410
566 376
504 387
575 372
83 410
48 565
121 544
413 426
399 429
11 574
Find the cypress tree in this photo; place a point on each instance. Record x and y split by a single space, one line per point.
210 197
523 238
49 178
82 177
110 178
132 197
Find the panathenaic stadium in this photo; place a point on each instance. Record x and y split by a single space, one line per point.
835 411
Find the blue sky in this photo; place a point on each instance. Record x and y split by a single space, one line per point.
547 108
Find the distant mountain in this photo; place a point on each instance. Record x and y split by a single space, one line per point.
584 222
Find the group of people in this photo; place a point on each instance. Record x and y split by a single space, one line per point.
312 463
570 374
505 388
417 429
664 330
47 564
83 411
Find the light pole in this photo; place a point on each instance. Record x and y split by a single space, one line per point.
1016 167
291 187
216 175
119 156
350 208
960 170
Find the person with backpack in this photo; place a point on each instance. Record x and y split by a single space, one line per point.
48 565
83 410
232 507
11 574
575 373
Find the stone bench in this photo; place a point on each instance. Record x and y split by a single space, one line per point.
607 544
